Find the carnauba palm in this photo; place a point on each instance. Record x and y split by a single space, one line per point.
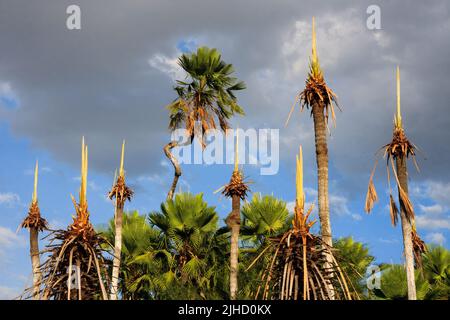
205 98
400 149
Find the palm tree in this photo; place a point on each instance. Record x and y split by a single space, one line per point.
354 259
121 193
188 228
400 149
318 97
436 269
206 97
299 268
35 223
394 284
76 254
264 216
237 190
140 265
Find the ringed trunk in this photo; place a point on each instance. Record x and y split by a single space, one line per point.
320 133
402 173
234 222
117 252
35 261
176 166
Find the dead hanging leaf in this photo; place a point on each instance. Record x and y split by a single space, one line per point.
406 204
419 248
393 210
371 196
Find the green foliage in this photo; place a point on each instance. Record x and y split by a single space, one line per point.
433 282
354 259
181 253
264 216
207 94
189 234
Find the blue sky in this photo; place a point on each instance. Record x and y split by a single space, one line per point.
110 81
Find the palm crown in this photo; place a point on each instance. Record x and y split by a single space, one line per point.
207 96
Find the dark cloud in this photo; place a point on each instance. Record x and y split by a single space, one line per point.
98 81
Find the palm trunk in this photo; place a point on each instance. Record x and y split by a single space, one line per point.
402 173
117 252
320 132
176 166
35 261
234 221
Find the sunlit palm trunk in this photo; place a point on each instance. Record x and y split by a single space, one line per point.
35 261
402 172
176 166
320 132
234 222
117 253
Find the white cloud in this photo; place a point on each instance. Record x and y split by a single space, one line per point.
167 65
338 204
7 293
430 222
9 199
9 239
433 209
439 192
338 37
436 237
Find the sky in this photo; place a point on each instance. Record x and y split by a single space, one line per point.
112 79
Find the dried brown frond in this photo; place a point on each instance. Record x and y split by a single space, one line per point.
400 146
34 219
75 269
419 248
371 196
121 192
237 186
393 210
406 204
317 91
299 268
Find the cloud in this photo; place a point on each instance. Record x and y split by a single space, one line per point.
433 209
9 239
338 204
168 66
8 97
9 199
432 223
7 293
436 237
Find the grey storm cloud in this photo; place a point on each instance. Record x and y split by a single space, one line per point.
98 81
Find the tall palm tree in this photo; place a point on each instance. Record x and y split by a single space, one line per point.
140 266
76 254
121 192
299 268
35 223
399 150
318 97
206 97
237 190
